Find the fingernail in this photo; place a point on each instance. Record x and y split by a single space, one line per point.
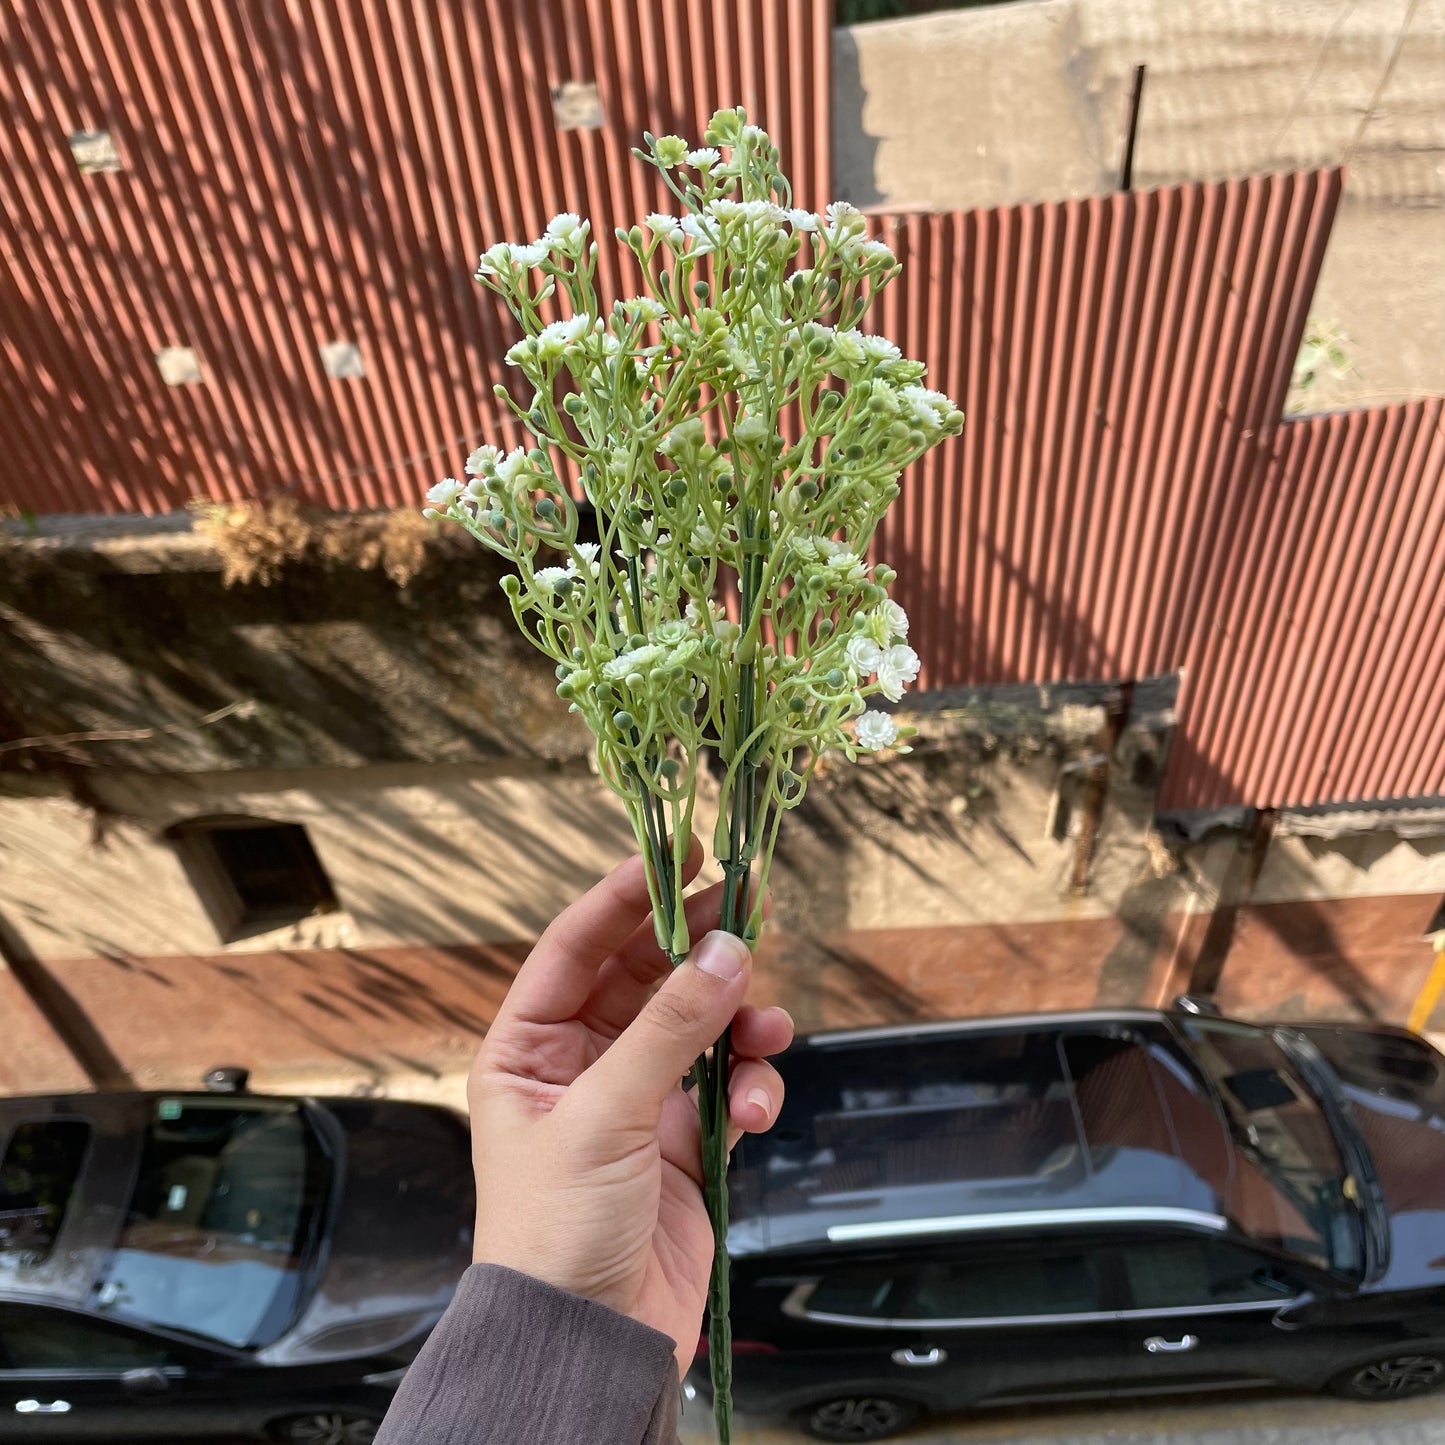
724 955
760 1098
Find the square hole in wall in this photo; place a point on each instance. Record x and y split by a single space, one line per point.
179 365
94 152
252 874
576 105
341 359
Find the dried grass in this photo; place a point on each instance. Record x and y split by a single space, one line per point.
256 541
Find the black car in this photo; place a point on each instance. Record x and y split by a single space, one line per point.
1087 1205
196 1264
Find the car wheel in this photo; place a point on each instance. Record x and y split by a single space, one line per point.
326 1427
1396 1378
858 1417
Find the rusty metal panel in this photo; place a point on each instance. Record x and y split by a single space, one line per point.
319 171
1322 677
1121 360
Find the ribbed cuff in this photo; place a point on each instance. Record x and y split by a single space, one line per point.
514 1360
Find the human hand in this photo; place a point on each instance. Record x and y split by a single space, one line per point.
586 1149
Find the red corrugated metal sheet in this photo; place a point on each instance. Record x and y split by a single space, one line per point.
321 170
1320 676
1120 360
1125 500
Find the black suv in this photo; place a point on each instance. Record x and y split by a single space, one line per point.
197 1264
1096 1204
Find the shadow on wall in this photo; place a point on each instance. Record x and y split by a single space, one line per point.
854 149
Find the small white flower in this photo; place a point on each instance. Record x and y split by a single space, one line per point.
532 255
588 551
547 578
496 260
643 308
864 654
554 338
705 157
875 730
521 352
510 466
482 460
702 239
638 659
880 348
445 492
802 220
875 251
894 616
662 225
896 669
563 227
476 489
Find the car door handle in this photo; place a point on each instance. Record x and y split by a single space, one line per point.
1158 1345
934 1356
35 1407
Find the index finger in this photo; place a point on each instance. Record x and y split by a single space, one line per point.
554 982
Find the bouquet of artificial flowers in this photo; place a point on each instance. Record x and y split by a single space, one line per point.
738 438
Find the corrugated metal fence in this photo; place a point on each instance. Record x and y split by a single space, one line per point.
1124 500
297 174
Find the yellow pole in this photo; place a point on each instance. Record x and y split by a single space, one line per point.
1429 995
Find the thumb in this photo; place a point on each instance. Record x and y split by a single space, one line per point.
684 1017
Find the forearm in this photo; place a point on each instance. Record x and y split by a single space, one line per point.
517 1360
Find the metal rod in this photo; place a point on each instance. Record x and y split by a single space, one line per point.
1131 130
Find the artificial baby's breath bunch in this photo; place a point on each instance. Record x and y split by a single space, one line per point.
738 438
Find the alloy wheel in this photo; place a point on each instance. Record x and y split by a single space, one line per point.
859 1417
328 1428
1398 1378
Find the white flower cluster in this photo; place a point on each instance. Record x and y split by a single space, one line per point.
726 599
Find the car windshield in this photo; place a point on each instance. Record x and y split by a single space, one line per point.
1291 1188
38 1174
217 1224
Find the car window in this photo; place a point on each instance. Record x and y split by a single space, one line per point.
38 1173
860 1292
42 1340
1047 1282
1184 1273
216 1222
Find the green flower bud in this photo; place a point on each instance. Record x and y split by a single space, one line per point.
670 769
825 628
566 687
807 489
834 677
573 404
635 641
511 586
547 509
797 704
623 719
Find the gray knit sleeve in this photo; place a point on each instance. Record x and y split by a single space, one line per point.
517 1362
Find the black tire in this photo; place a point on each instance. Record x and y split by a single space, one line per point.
858 1417
1393 1377
326 1427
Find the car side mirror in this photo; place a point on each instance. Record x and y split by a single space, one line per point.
149 1380
1290 1316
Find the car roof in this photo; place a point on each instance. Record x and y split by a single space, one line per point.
1091 1118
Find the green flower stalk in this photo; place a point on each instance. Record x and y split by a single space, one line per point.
736 435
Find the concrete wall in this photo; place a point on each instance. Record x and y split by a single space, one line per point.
1024 102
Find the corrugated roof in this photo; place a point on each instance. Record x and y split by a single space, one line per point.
300 174
1319 674
1126 501
1120 360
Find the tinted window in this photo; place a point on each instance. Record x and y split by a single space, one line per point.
216 1223
927 1111
1050 1282
1289 1183
41 1339
1178 1273
862 1292
38 1172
